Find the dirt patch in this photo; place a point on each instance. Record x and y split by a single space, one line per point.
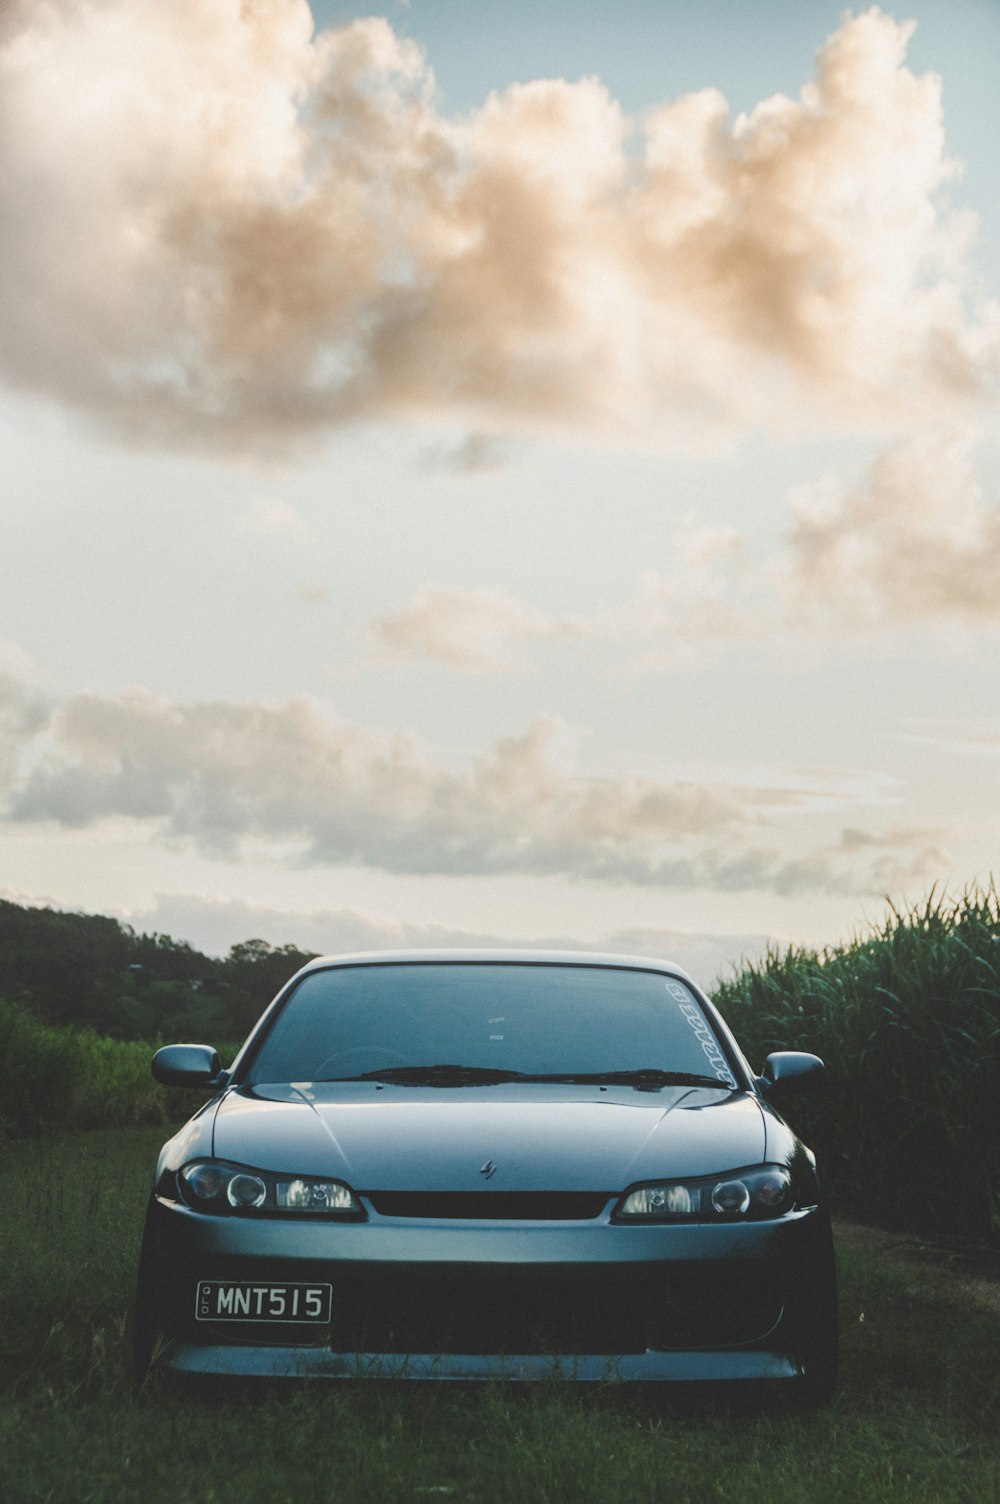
969 1271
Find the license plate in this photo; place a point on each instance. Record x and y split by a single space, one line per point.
224 1300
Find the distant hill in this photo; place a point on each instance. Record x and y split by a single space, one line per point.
95 972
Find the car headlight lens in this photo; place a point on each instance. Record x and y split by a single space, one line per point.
742 1196
731 1197
222 1189
246 1190
205 1182
315 1196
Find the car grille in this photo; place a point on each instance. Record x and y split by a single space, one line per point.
499 1309
492 1309
519 1206
558 1310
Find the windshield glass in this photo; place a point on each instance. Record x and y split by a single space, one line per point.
535 1020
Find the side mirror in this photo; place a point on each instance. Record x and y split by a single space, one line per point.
187 1065
793 1070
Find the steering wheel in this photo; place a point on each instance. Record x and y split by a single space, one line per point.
358 1060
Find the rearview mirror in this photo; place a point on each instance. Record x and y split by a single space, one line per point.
187 1065
792 1069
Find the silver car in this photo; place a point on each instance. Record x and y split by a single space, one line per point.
490 1164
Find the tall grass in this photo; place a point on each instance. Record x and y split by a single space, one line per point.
52 1078
907 1019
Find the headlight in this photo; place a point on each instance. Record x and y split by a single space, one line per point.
222 1189
315 1196
741 1196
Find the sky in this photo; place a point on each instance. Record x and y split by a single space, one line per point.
517 474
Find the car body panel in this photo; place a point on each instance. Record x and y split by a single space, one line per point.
455 1241
439 1138
317 1363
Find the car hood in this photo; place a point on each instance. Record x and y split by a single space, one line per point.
433 1139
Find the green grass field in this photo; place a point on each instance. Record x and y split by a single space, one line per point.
917 1416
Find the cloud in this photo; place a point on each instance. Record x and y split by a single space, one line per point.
709 596
671 620
224 773
914 540
969 738
236 778
24 712
314 592
223 230
473 630
475 454
270 520
912 543
904 860
215 924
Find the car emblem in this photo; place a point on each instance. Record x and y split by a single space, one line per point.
488 1169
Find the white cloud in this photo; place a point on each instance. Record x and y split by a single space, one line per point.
912 544
314 592
968 737
231 777
706 599
24 713
473 630
915 540
709 595
219 773
222 229
215 924
476 453
270 520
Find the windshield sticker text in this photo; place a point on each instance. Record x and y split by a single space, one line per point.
708 1042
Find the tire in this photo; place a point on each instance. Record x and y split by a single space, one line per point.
146 1317
820 1338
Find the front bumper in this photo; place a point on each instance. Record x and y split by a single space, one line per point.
317 1363
463 1300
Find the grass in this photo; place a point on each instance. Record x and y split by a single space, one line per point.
907 1019
916 1418
55 1077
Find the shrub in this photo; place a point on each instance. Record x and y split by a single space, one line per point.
52 1077
907 1018
38 1071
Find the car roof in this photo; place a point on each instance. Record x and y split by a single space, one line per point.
499 956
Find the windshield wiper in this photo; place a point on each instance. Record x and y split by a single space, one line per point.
649 1079
440 1075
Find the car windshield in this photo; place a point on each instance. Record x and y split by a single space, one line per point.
454 1021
